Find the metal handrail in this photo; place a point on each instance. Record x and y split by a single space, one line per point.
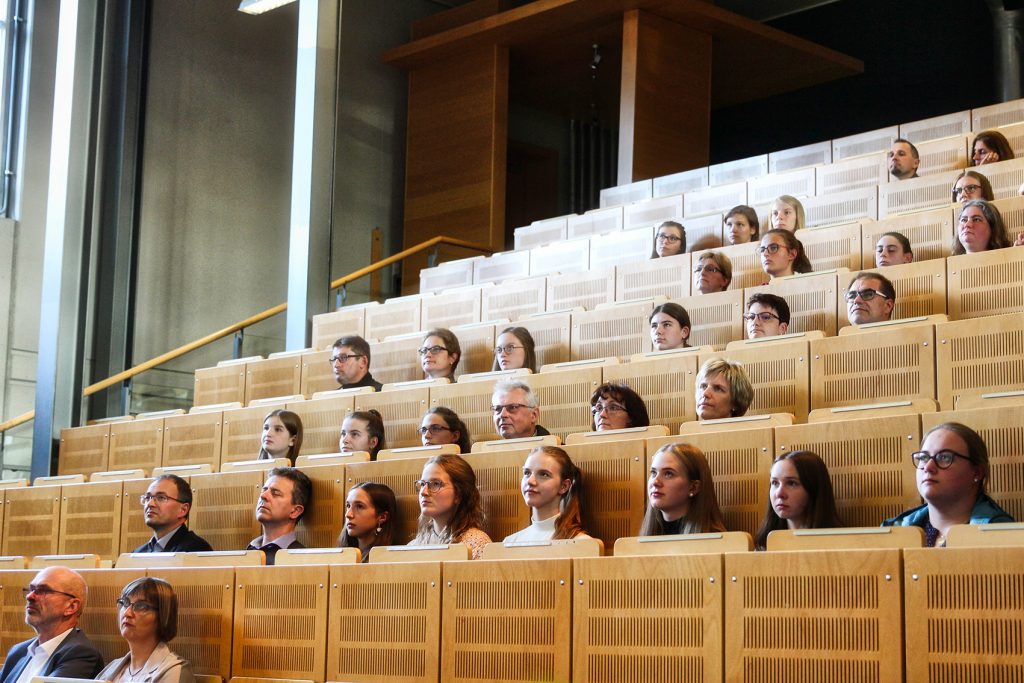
252 320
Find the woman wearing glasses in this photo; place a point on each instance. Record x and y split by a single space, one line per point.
282 436
439 354
616 406
990 146
370 510
450 509
681 494
799 496
981 228
441 426
362 430
972 185
515 349
669 239
712 273
147 616
551 487
782 254
952 467
670 327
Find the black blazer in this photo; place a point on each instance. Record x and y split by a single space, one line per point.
183 541
76 657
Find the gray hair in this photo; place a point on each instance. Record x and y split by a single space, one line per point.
507 385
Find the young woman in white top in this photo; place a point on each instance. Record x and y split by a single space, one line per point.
551 488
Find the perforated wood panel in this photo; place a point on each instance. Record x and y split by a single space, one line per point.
847 538
90 519
617 331
385 623
800 157
398 475
852 174
224 384
448 275
241 431
550 334
717 318
666 384
396 360
831 248
975 359
650 212
625 194
944 155
418 452
614 476
984 284
31 521
539 233
886 365
99 620
798 183
930 234
401 411
13 628
648 619
503 266
868 462
134 531
965 607
864 143
322 523
813 301
621 248
586 290
192 439
572 256
393 317
1002 430
477 343
506 621
920 289
451 308
669 276
273 377
779 374
498 477
957 123
714 199
224 507
321 422
915 193
596 221
685 544
740 462
814 616
915 407
280 622
685 181
472 403
1002 114
84 450
514 300
347 321
746 266
205 608
317 373
837 208
138 443
1012 211
565 399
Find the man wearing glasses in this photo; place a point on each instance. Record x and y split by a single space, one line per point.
870 299
53 604
516 409
767 316
350 360
165 505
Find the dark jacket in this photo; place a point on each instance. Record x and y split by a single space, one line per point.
76 657
366 381
183 541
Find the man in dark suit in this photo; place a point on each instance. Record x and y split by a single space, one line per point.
283 502
53 604
166 504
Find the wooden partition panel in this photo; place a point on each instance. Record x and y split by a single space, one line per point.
666 383
648 619
498 478
868 170
13 628
586 290
868 461
84 450
813 301
224 507
455 307
914 194
834 247
975 357
399 316
839 208
138 443
988 283
515 299
206 599
617 331
31 521
273 377
669 276
385 623
99 620
134 531
90 519
565 399
402 412
779 374
322 522
222 384
550 334
321 422
242 430
317 373
717 318
830 617
614 477
477 343
398 475
930 234
471 401
346 321
193 439
508 621
280 622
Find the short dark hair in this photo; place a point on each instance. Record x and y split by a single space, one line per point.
184 490
672 310
670 224
302 487
887 287
356 343
160 594
773 301
635 407
913 150
455 423
901 238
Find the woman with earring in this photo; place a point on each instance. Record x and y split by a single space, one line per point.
370 510
551 487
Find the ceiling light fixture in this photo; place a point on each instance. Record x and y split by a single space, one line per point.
261 6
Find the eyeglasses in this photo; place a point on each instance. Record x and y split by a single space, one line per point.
432 350
971 189
506 349
865 294
764 317
943 459
512 408
433 429
345 357
772 248
44 590
598 408
160 498
139 606
707 268
433 485
671 239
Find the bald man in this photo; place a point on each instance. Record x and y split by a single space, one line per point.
53 604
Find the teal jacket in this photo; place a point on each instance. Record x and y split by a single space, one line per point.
985 511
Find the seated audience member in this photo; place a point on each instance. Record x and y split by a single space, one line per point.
350 360
516 409
165 506
616 406
990 146
147 614
670 327
767 315
799 496
723 390
370 517
669 239
893 249
741 225
282 436
981 228
712 273
54 602
972 185
551 487
782 254
285 498
441 426
515 349
904 160
362 430
450 510
870 298
787 214
440 354
681 494
952 466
